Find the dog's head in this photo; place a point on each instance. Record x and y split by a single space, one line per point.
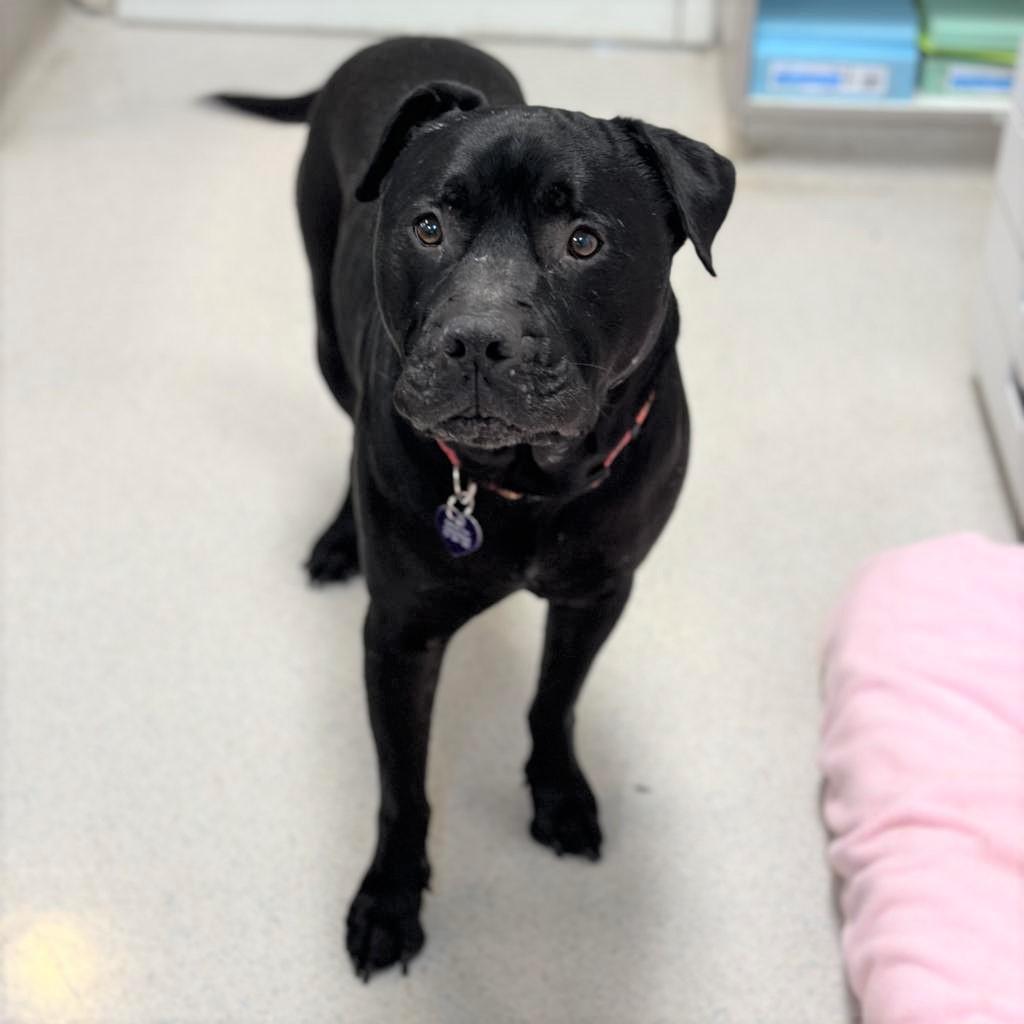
522 257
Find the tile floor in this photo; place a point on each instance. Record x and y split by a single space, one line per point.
187 776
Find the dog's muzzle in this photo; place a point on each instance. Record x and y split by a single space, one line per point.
486 382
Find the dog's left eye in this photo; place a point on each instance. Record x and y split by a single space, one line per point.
428 230
583 243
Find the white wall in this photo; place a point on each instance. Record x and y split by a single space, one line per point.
689 22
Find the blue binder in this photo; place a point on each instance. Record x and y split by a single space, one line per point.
847 50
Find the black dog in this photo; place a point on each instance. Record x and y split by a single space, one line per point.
494 313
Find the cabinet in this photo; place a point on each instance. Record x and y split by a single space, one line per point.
999 327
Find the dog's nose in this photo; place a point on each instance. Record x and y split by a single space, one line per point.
479 339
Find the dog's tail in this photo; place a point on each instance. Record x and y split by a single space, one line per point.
294 109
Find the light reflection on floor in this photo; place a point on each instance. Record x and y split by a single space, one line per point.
51 968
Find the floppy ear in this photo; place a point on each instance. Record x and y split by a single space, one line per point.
699 181
426 103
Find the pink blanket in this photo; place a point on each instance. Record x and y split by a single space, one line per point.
923 758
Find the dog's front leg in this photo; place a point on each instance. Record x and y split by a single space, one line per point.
565 810
402 667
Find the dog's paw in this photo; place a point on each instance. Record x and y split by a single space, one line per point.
335 555
383 928
565 818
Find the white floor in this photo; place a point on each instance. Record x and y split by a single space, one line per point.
188 782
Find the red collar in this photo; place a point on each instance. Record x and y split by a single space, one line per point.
627 437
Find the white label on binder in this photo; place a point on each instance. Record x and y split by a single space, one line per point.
978 78
827 78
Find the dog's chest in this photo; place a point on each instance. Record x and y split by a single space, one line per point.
568 557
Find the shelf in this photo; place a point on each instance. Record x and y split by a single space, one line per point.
927 125
924 103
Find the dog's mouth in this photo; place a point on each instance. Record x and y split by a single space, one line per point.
479 431
490 432
486 420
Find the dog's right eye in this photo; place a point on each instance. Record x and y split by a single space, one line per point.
583 243
428 230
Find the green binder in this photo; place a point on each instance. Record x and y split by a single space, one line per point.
986 31
969 46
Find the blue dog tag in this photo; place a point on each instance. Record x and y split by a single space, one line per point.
460 533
